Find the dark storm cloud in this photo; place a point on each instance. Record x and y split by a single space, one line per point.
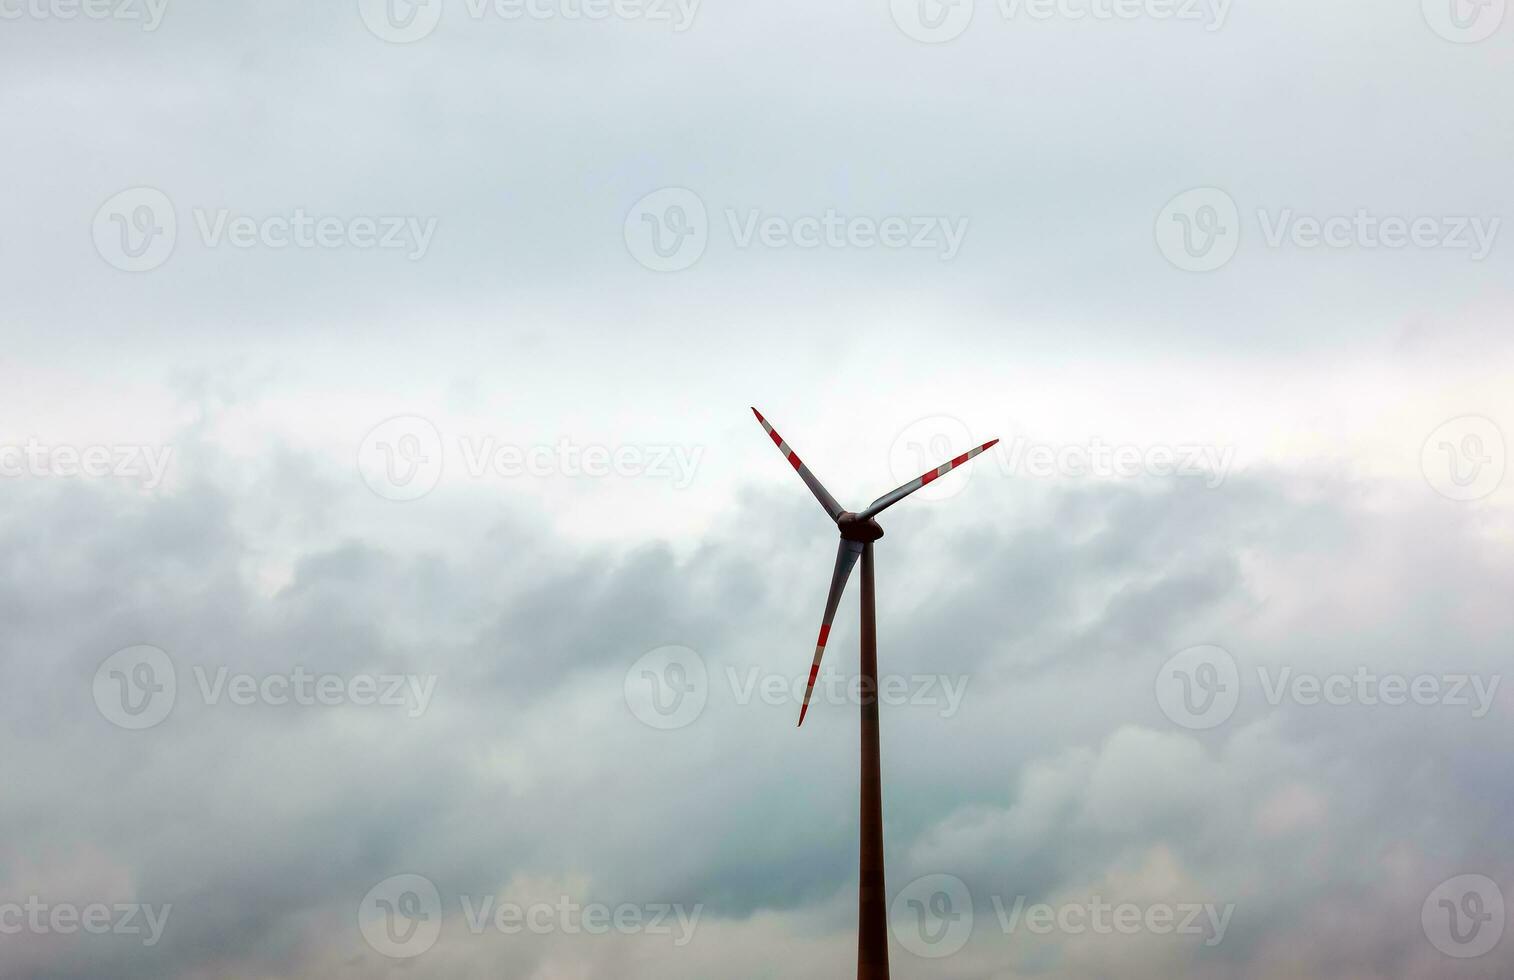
264 826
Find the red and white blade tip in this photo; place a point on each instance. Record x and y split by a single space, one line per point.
950 465
809 689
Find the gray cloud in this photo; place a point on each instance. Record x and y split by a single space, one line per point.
527 600
265 825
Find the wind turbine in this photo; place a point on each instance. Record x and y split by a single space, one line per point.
858 532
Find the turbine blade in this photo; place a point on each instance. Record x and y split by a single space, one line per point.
846 559
894 496
821 493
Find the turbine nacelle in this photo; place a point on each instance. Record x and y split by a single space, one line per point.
855 527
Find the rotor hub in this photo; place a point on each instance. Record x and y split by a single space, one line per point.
853 528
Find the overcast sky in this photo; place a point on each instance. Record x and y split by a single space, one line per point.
396 583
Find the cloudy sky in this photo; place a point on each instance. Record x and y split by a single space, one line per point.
396 583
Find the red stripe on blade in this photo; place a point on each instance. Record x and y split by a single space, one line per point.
825 632
927 478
